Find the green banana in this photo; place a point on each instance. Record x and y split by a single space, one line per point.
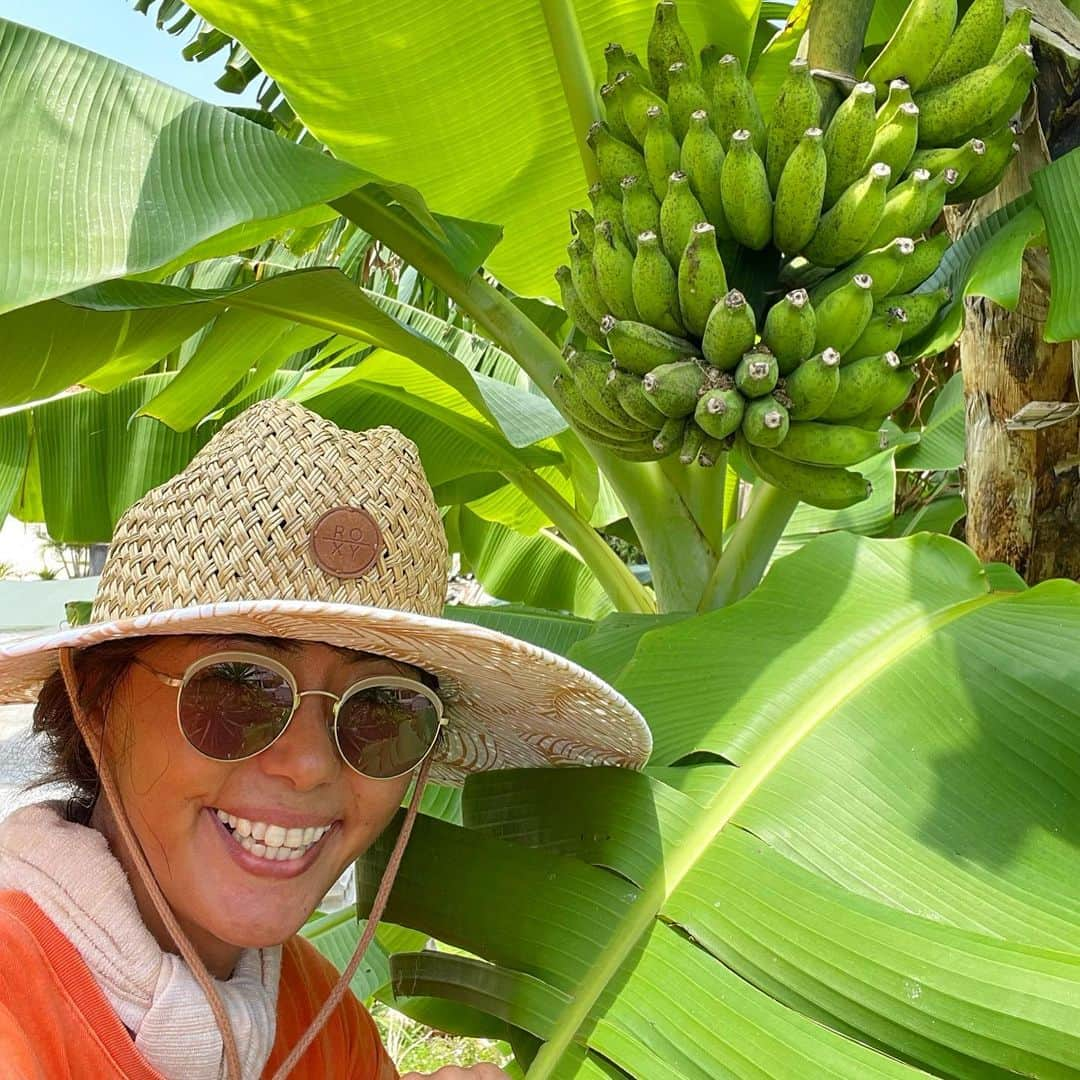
702 280
719 412
638 347
962 158
765 422
637 99
744 188
735 107
790 329
632 397
679 213
1017 32
685 96
669 438
847 228
590 369
972 104
987 172
669 44
693 441
883 334
712 450
613 114
937 194
674 388
896 391
573 403
800 193
606 207
729 331
757 372
861 383
583 225
848 139
640 209
895 140
710 57
655 287
904 211
924 260
572 304
797 107
883 265
809 390
828 487
619 60
921 308
583 278
831 444
916 45
661 150
972 44
843 314
702 159
899 94
614 158
613 263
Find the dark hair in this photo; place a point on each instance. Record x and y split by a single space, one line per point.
99 670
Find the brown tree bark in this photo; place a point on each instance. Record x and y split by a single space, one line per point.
1022 487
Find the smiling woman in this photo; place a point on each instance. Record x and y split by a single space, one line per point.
266 673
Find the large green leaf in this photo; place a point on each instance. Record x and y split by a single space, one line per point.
483 129
941 441
877 876
1056 189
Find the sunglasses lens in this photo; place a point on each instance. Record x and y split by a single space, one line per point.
385 731
233 709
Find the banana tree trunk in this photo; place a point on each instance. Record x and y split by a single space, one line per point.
1023 493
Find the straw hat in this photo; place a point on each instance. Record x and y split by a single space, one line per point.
286 526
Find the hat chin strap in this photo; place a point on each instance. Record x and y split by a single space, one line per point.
187 950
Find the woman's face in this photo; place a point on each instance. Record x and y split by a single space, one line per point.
224 897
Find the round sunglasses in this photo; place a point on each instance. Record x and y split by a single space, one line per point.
233 705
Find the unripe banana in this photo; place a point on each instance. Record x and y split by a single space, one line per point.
719 412
895 140
925 259
590 370
987 172
583 277
896 391
702 280
712 450
613 114
638 347
846 229
744 188
961 158
583 225
669 438
765 422
831 444
675 388
619 60
797 107
637 99
693 441
971 104
937 194
848 139
861 383
899 94
669 44
973 43
828 487
811 387
640 208
614 158
679 213
661 150
685 96
921 308
843 314
655 288
790 330
613 264
905 210
572 304
883 334
916 45
729 331
800 193
735 107
883 265
632 397
710 57
606 207
1017 32
575 406
702 159
757 372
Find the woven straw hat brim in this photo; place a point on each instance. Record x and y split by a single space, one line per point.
510 704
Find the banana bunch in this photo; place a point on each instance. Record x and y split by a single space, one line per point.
690 174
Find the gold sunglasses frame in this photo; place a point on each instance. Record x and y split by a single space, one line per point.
397 681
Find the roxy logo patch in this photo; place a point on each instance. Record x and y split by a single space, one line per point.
346 541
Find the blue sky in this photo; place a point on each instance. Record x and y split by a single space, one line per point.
115 29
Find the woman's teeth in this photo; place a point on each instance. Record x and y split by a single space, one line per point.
272 842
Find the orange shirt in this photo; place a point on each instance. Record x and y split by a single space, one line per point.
57 1024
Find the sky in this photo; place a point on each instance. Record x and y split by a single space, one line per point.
115 29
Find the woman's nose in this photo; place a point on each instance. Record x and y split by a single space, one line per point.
305 753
